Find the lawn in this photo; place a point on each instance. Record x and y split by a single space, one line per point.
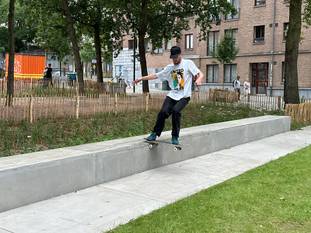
273 198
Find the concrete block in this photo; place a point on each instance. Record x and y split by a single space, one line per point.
34 177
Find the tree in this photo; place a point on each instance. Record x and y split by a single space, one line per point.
11 45
164 20
296 18
226 50
100 20
87 50
77 20
74 42
291 91
62 13
51 34
307 12
24 33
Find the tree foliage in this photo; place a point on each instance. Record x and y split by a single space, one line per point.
226 50
24 32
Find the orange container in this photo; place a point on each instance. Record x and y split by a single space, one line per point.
28 66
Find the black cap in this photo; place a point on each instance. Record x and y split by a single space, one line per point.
175 51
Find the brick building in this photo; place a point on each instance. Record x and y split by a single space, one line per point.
259 29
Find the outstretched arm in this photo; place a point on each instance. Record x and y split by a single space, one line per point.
148 77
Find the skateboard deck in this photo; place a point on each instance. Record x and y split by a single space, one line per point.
153 144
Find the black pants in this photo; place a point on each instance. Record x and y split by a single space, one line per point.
170 107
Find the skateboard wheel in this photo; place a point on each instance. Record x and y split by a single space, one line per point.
150 146
175 149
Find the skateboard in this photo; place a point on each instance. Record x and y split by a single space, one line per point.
153 144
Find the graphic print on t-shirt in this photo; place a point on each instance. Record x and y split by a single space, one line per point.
178 79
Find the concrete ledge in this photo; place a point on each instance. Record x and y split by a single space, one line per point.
29 178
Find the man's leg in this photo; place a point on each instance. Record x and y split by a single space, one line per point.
176 115
165 112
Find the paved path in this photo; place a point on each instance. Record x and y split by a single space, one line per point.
105 206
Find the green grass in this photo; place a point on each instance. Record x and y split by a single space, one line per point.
272 198
49 134
297 126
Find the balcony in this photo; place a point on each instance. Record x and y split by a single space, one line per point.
233 17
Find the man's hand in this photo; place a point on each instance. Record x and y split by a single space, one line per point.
136 81
148 77
199 79
198 82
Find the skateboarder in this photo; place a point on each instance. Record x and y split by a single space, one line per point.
179 76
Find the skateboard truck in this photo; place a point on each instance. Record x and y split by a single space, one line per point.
153 144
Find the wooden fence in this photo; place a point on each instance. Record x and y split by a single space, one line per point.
226 96
33 101
299 112
32 108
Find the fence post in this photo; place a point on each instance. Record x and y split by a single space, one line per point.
77 99
77 106
1 81
147 102
279 103
116 103
31 109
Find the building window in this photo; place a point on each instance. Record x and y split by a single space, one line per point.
212 73
189 41
259 72
236 5
131 44
232 33
230 73
259 34
260 2
285 30
213 38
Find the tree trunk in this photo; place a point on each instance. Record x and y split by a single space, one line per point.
11 43
74 42
291 91
143 62
142 50
98 48
60 66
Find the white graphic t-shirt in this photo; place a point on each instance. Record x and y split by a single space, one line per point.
179 78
